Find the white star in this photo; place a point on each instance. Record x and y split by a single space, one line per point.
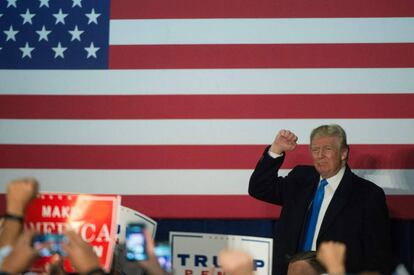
77 3
11 34
76 33
1 15
59 50
27 17
44 3
91 50
93 17
11 3
26 50
60 17
43 33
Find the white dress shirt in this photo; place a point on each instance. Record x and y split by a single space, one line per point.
330 188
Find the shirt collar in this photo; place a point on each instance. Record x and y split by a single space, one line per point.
333 182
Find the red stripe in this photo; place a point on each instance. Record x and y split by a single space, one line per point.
203 206
241 207
389 55
206 106
132 9
186 156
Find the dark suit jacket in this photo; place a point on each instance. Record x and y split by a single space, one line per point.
357 215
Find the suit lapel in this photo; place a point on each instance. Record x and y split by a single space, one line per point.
308 193
303 210
338 201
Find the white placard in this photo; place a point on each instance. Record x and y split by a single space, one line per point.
127 215
195 253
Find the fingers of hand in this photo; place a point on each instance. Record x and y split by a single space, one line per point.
286 133
291 137
288 136
150 242
73 238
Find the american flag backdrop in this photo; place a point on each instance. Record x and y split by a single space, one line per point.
171 102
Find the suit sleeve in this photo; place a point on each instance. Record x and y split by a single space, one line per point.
377 235
265 184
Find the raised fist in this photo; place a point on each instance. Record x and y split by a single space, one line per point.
19 193
285 141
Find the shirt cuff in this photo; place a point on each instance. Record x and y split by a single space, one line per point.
273 155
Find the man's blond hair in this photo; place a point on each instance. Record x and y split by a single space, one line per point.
331 130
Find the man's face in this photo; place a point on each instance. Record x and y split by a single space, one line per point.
327 157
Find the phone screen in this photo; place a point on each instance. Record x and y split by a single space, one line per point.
163 254
49 244
135 242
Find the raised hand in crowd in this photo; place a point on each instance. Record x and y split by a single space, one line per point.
332 256
18 195
81 254
285 141
22 255
234 262
151 266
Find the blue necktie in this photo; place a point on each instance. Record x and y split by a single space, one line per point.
316 206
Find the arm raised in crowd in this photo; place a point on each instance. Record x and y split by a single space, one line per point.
81 255
22 255
19 194
151 266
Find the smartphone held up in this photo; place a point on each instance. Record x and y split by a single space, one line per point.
49 244
135 242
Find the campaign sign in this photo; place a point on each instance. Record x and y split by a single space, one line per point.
195 253
92 217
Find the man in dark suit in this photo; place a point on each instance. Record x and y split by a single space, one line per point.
323 202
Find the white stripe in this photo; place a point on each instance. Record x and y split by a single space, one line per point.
220 81
261 31
221 131
164 182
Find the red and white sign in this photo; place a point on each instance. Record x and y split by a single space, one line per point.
92 217
196 253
